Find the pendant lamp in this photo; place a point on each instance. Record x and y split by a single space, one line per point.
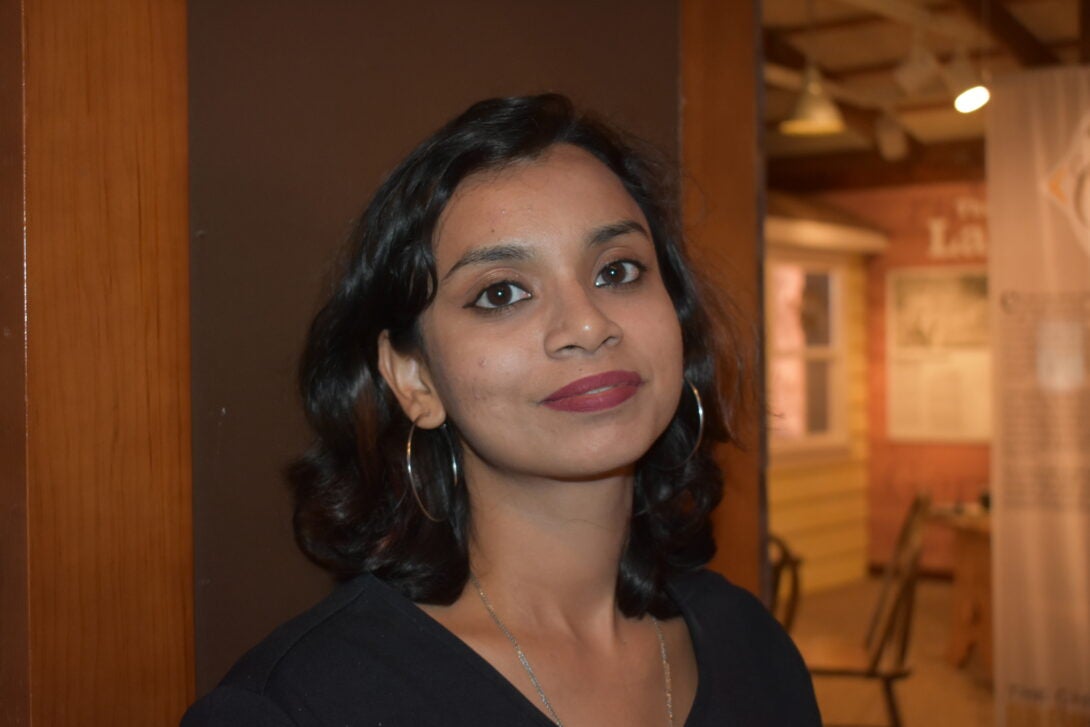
816 114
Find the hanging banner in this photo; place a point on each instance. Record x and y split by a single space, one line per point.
1039 281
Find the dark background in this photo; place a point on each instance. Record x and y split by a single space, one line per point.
297 110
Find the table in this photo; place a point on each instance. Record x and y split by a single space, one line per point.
971 613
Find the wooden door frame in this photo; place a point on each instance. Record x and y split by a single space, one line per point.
723 202
96 587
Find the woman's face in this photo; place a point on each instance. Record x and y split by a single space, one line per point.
551 343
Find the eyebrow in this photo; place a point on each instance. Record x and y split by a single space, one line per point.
608 232
508 252
491 254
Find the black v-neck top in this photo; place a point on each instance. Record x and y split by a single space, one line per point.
366 655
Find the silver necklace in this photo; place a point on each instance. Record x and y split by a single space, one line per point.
533 677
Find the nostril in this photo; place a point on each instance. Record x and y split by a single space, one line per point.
579 323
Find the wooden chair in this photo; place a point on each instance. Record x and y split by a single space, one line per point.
882 655
784 566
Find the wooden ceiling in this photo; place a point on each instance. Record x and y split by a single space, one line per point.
858 44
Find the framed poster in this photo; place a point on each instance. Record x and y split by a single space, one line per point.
938 354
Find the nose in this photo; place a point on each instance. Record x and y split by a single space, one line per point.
579 324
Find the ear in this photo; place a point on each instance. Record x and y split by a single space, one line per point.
408 377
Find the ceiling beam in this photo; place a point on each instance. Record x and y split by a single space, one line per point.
779 51
918 16
841 23
994 17
940 162
845 73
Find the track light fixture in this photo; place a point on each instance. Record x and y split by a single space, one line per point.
918 69
964 83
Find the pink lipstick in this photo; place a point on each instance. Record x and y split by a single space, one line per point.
595 393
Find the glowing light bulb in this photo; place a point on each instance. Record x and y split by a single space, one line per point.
972 99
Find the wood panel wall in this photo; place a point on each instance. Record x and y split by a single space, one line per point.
723 197
99 580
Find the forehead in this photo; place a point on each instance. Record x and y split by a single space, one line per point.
564 191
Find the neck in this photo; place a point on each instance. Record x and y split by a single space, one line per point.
548 552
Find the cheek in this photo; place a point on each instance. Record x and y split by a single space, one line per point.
476 374
669 331
659 333
672 360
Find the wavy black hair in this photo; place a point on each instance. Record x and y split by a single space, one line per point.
354 509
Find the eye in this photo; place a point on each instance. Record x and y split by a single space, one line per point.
620 272
500 295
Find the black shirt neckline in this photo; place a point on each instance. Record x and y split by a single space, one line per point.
473 659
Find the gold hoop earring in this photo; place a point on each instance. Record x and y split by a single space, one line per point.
699 430
412 477
700 424
696 446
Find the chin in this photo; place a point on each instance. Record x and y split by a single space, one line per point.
601 462
590 475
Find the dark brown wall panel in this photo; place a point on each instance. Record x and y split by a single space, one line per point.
14 647
723 198
298 108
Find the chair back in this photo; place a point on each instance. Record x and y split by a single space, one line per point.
783 596
891 623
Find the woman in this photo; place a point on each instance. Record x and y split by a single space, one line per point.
515 400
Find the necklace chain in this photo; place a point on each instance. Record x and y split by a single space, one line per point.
533 677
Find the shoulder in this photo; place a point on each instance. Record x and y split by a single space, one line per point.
707 589
230 707
759 676
339 647
722 612
321 630
364 655
721 606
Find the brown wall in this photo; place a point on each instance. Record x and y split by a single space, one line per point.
949 471
297 109
14 644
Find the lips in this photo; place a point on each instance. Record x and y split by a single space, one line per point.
595 393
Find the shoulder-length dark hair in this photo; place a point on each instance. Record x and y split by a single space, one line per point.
354 510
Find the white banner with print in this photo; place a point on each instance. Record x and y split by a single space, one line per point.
1039 270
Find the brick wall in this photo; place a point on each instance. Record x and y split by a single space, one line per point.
929 225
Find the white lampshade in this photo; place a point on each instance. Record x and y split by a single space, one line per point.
815 113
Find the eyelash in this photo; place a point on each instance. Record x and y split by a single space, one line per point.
639 267
481 296
503 284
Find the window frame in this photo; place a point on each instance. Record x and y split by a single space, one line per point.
835 440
